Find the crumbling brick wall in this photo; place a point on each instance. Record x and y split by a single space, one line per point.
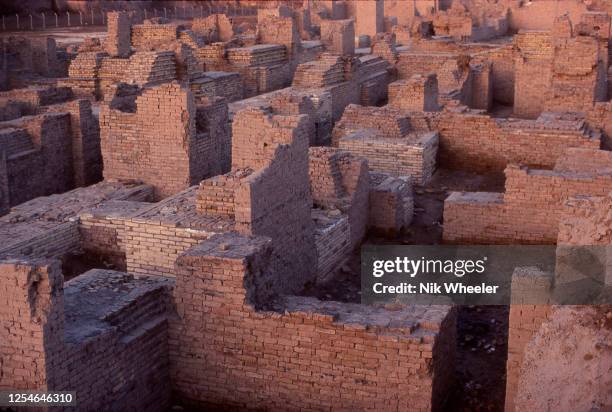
118 36
338 36
64 331
369 17
318 354
470 140
86 154
275 201
160 143
42 164
214 28
530 209
391 203
383 136
280 30
341 180
418 93
30 314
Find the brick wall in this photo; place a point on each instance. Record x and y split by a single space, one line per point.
163 133
275 201
338 36
310 354
473 141
118 37
369 17
528 212
30 315
391 203
418 93
339 180
64 332
46 166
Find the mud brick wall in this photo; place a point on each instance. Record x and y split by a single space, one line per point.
413 155
30 100
579 74
162 133
275 201
280 30
216 195
118 36
333 242
212 152
54 242
338 36
474 141
529 211
444 65
30 313
482 87
44 56
342 95
341 180
150 246
583 221
112 71
310 355
222 84
83 74
369 17
391 202
149 35
524 322
214 28
502 72
600 116
388 121
86 154
418 93
47 321
45 167
533 72
374 89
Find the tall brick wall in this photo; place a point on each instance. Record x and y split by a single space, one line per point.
275 201
44 164
369 17
118 37
583 222
418 93
338 36
160 144
86 154
31 312
309 354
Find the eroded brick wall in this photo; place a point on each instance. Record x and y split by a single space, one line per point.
63 334
309 355
161 144
529 211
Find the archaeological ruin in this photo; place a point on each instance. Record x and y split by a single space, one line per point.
191 193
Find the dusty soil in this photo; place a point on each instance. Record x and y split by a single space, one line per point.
482 331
